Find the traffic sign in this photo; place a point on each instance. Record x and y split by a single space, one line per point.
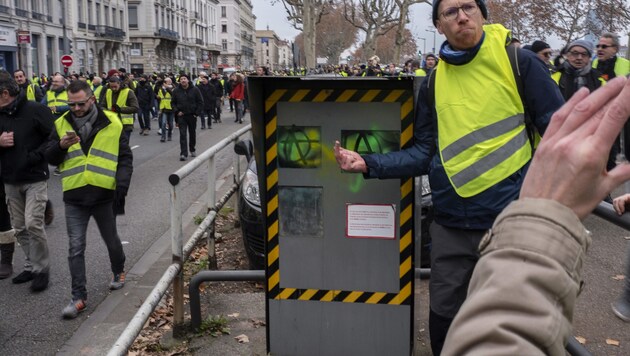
66 60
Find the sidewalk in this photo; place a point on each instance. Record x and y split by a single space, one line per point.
98 333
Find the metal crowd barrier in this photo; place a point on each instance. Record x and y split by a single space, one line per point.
174 273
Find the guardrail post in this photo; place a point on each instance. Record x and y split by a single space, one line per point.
211 204
237 166
177 246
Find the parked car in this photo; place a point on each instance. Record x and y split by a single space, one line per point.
251 219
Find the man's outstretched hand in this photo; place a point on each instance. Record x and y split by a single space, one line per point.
570 164
349 161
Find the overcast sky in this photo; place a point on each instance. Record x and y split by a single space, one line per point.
274 16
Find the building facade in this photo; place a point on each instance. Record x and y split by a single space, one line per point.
173 35
267 53
285 55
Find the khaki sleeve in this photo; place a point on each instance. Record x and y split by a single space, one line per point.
523 290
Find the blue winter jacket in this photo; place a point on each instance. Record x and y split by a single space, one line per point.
542 99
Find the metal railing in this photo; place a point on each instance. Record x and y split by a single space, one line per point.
174 273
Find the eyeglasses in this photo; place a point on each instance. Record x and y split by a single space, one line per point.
79 103
579 54
603 46
451 13
546 54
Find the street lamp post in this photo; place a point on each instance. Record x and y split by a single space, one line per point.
424 45
433 49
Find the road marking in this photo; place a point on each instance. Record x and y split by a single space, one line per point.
134 147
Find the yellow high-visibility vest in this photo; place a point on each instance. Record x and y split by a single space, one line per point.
98 168
481 122
165 100
127 119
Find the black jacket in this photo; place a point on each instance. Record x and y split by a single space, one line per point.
188 101
568 80
31 124
90 195
218 87
207 93
145 95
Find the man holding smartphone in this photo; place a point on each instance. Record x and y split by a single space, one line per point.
96 164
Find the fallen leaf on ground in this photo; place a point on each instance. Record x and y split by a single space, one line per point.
619 277
612 342
235 315
242 339
581 340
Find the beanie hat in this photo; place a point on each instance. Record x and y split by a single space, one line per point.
112 72
431 55
538 46
480 3
184 75
588 46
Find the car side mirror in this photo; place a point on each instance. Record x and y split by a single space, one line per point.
244 148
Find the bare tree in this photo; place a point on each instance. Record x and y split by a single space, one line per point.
612 16
515 15
387 47
304 15
335 34
403 20
374 17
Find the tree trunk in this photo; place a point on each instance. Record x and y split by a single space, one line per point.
400 32
308 23
370 44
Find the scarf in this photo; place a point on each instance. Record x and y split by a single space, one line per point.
579 75
459 57
84 124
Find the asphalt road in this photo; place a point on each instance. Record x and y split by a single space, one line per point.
31 324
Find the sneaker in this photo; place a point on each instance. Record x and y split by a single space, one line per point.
193 154
73 309
40 282
49 213
25 276
118 281
146 132
621 308
159 131
141 132
169 138
57 172
162 139
6 270
182 158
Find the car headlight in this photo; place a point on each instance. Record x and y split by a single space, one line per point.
250 188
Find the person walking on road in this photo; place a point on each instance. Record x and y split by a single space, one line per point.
56 97
475 147
207 93
145 96
187 105
238 95
25 126
218 93
96 164
164 96
122 101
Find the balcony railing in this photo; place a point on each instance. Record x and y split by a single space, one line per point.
21 12
109 32
4 9
82 25
168 34
38 16
198 41
91 27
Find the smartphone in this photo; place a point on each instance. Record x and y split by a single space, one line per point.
71 134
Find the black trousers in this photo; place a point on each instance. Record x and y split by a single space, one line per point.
187 126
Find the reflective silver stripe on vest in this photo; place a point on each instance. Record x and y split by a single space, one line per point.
483 134
73 154
490 161
103 154
99 170
72 171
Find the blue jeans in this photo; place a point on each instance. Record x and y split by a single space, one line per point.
27 203
77 219
166 123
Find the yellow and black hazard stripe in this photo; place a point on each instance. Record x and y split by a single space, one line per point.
406 272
